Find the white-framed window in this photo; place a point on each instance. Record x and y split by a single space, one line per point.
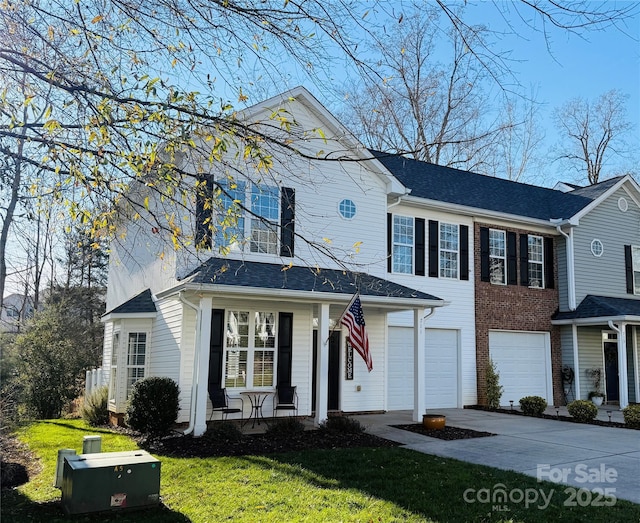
260 228
498 256
113 375
250 349
136 358
635 256
449 248
597 249
536 261
347 209
403 244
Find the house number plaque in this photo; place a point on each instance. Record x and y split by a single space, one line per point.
348 367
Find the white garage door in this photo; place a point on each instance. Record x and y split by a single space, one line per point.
400 382
441 368
523 360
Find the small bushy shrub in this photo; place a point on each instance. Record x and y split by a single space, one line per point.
153 406
494 389
95 409
533 405
285 426
631 415
223 431
342 425
582 410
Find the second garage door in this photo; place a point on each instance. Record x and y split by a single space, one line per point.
523 360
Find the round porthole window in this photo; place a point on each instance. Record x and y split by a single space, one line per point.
623 205
597 248
347 209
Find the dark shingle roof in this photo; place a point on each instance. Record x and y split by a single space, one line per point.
444 184
593 191
240 273
141 303
602 307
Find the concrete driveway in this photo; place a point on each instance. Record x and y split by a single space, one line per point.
581 455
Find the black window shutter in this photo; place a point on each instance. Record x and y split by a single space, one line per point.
204 212
512 259
485 274
433 249
524 259
389 242
287 221
549 282
216 349
420 247
285 348
464 252
628 266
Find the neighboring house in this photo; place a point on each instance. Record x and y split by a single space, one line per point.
599 316
453 269
16 309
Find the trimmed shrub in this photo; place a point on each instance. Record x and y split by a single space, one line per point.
582 410
494 389
342 425
631 415
533 405
223 431
95 409
285 426
153 406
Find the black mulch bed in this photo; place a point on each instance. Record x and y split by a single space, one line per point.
262 444
518 412
447 433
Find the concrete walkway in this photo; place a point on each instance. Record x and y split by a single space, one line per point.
576 454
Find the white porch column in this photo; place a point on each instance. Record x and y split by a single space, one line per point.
202 361
322 377
418 365
576 362
623 380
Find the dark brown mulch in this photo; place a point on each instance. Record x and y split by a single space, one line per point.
261 444
17 463
447 433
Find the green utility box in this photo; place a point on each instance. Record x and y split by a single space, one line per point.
110 481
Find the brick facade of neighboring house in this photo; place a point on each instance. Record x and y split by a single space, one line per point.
513 307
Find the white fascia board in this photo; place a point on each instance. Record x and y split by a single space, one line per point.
343 136
128 316
263 294
597 320
586 210
479 214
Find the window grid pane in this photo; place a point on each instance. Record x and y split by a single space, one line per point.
497 256
403 232
449 240
263 368
136 358
536 262
231 211
635 255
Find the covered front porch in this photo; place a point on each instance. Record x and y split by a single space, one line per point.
258 326
602 334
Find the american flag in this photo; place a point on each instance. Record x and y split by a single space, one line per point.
353 319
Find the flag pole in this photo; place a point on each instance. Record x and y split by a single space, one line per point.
353 298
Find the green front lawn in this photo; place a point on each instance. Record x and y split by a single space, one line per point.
368 485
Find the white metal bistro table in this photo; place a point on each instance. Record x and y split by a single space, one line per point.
257 399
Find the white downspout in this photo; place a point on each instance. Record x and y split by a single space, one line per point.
196 361
571 280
